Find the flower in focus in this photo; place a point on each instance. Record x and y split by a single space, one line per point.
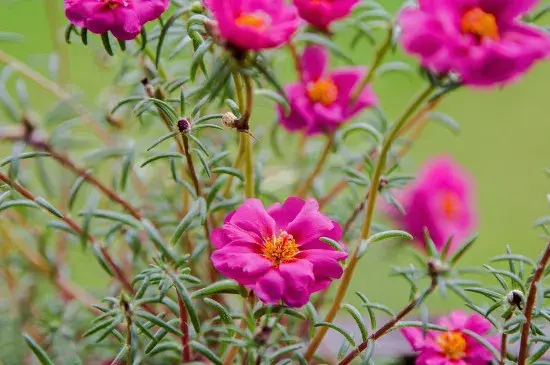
440 200
255 25
321 13
453 347
321 102
482 40
123 18
277 252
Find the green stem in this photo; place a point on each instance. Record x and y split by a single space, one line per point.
371 202
249 167
380 54
304 188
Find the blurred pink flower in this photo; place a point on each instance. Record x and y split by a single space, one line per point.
255 24
321 102
453 347
277 252
441 200
321 13
482 40
123 18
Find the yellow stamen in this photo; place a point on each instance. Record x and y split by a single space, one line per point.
479 23
323 91
251 20
452 345
280 249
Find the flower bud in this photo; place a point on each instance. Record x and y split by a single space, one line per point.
183 125
516 298
229 120
197 7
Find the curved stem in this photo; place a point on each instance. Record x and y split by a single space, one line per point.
390 324
378 58
303 190
530 305
504 344
371 203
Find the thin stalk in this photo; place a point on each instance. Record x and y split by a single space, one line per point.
378 58
184 328
236 165
504 343
248 153
530 305
369 214
52 11
304 188
237 80
296 60
390 324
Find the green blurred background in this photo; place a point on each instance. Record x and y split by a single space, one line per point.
505 143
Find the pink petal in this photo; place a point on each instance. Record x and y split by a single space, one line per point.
253 218
269 287
314 63
298 277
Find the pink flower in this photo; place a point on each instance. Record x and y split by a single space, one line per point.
255 24
482 40
321 13
277 253
123 18
321 102
441 200
453 347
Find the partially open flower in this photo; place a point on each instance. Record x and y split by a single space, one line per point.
440 200
482 40
322 13
123 18
321 102
453 347
255 25
277 252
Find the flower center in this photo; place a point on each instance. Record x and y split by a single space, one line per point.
252 20
280 249
450 204
452 345
323 91
116 3
479 23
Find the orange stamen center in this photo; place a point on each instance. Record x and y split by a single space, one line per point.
280 249
450 205
452 345
323 91
250 20
479 23
116 3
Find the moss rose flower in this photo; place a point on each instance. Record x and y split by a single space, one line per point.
453 347
482 40
255 25
123 18
440 200
322 13
321 102
277 252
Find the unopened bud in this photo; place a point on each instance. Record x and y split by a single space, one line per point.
516 298
183 125
213 30
229 120
437 267
197 7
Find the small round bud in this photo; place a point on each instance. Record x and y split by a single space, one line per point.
183 125
229 120
516 298
437 267
213 30
196 7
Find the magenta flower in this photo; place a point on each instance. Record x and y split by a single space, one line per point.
482 40
453 347
321 13
321 102
441 200
255 24
123 18
277 253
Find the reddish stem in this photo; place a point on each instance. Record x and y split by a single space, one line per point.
184 328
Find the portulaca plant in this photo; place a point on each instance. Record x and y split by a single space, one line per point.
164 186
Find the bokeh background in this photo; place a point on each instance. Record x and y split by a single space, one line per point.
504 142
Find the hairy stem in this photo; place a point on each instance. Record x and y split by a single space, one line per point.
530 305
378 58
369 214
390 324
308 183
184 328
